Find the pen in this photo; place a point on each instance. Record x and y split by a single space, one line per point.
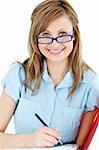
47 126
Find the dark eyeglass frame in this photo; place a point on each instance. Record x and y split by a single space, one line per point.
55 39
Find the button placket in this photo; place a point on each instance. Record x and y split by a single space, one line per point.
52 103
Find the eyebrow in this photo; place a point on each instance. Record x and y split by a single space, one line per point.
58 31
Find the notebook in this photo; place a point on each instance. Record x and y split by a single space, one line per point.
61 147
65 147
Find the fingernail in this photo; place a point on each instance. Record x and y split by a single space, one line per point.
59 137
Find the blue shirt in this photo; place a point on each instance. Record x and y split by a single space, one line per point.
50 103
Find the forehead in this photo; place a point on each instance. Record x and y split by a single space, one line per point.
62 22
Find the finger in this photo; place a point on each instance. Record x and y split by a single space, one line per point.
48 144
57 133
52 132
51 139
57 130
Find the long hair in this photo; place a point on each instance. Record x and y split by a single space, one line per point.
41 17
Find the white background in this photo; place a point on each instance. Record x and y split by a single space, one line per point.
14 28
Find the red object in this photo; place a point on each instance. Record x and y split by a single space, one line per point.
92 131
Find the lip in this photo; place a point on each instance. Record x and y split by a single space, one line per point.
55 52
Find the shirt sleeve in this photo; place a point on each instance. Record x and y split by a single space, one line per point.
12 82
93 95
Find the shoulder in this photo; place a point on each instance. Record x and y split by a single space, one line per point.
12 83
16 70
14 76
91 78
92 89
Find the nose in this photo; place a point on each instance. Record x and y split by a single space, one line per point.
55 45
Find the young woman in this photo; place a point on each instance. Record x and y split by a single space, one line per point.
54 82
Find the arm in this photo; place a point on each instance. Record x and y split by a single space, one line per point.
85 127
7 107
43 137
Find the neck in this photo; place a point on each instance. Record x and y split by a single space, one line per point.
57 71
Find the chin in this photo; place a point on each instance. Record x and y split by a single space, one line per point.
57 60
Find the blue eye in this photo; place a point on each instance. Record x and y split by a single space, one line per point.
45 34
63 33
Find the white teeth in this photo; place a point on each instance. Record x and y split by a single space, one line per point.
55 52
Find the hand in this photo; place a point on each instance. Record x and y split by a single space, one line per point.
79 147
46 137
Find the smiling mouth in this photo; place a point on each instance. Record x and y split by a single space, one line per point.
55 52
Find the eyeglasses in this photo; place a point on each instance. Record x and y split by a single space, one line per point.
60 39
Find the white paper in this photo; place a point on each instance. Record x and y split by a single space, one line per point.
61 147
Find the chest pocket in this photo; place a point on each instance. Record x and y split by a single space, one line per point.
73 114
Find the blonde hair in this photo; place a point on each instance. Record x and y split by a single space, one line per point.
42 15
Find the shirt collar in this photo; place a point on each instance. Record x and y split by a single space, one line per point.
66 82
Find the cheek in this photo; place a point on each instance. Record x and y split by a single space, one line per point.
41 48
69 48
